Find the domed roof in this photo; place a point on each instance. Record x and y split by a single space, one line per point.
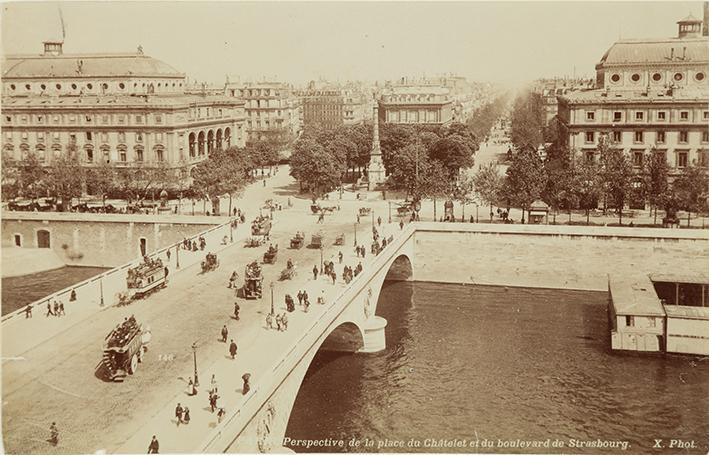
687 51
86 65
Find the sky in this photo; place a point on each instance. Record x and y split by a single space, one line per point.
296 42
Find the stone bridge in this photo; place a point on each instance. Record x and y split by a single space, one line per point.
349 323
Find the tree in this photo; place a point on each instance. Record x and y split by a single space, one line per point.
616 174
691 190
224 172
558 190
10 176
655 175
434 181
65 177
527 120
586 184
405 174
463 191
393 137
525 178
31 176
453 152
316 170
99 179
488 185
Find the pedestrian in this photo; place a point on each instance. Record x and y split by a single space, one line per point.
178 414
225 333
28 311
154 446
264 183
472 220
220 415
333 275
278 322
321 299
213 400
306 304
186 417
379 221
167 272
401 224
54 434
321 218
339 255
72 296
364 251
168 254
269 321
284 321
232 349
213 384
236 310
56 308
358 218
300 298
246 387
315 272
191 391
234 212
232 279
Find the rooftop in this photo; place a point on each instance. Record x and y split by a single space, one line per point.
85 66
657 51
634 295
657 95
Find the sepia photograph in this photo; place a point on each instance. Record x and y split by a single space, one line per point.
475 227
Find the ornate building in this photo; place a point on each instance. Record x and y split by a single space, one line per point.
651 96
422 104
127 110
271 107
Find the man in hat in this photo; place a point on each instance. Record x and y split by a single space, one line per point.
246 387
178 413
315 272
236 312
232 349
154 446
225 333
28 311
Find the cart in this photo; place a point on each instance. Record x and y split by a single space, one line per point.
269 257
316 241
297 242
340 239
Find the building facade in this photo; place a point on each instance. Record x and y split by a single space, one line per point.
416 104
126 110
324 107
271 108
651 96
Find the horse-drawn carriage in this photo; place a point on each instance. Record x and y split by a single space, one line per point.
210 263
340 239
365 211
403 209
269 257
289 272
297 241
317 209
253 242
316 241
261 226
253 282
270 205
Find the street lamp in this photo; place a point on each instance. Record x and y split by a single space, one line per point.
101 285
321 268
477 220
389 211
194 352
192 207
231 230
177 256
272 286
355 234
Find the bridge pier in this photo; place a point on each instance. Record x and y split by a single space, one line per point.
374 335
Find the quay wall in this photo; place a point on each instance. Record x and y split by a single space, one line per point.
100 240
566 257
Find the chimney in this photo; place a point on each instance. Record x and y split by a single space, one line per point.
53 47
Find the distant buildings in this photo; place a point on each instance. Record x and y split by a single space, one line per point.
651 96
125 110
330 105
271 108
417 104
551 89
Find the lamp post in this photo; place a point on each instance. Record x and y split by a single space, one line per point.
389 211
321 268
177 256
101 285
192 207
231 230
355 234
194 352
477 220
272 286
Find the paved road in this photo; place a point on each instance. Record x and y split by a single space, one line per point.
56 380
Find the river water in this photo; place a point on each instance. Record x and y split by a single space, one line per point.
19 291
500 367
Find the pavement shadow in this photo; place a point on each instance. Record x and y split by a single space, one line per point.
292 190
